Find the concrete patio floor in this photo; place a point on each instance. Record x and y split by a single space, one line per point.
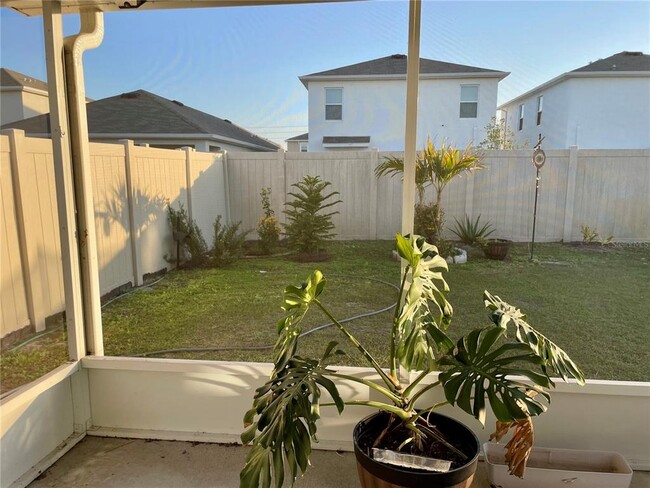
135 463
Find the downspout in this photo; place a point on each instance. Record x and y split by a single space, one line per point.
91 34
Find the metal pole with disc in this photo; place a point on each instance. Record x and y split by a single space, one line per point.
539 158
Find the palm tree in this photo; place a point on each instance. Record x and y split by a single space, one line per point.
435 167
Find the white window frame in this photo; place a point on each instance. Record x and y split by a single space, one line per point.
520 124
334 104
478 89
540 109
302 146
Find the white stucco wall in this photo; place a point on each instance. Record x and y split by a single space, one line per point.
18 104
592 113
35 104
11 107
376 108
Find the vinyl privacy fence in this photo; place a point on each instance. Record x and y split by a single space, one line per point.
132 187
606 189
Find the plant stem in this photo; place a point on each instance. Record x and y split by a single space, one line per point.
398 400
423 391
415 383
393 330
392 383
431 408
433 432
399 412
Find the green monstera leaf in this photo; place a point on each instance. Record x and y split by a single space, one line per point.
479 368
282 422
425 312
296 302
553 357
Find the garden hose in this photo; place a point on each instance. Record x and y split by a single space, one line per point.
229 348
271 346
56 329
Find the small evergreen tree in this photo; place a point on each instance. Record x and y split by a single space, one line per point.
308 226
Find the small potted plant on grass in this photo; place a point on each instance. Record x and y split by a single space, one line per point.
406 443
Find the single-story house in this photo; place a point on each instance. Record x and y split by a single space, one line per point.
298 143
147 118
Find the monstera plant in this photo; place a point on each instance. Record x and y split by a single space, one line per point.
507 365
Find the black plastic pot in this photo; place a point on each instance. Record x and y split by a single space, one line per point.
373 474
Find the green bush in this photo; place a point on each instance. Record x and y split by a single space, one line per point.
267 227
191 245
228 244
425 222
472 232
308 226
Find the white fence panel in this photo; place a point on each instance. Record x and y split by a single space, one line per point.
111 216
613 193
12 299
159 179
206 176
248 173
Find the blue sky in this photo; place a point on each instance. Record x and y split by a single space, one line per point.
243 63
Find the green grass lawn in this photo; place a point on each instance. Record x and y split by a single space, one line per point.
592 301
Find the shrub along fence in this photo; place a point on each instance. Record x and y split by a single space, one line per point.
132 186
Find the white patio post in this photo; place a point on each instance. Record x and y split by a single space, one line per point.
410 138
53 33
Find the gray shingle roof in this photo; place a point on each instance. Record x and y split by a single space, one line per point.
623 61
11 78
396 65
142 112
301 137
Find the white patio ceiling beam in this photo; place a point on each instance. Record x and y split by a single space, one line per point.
34 7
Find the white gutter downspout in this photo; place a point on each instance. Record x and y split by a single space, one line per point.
410 138
90 36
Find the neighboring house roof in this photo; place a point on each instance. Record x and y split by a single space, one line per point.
141 113
13 79
395 67
623 61
300 138
623 64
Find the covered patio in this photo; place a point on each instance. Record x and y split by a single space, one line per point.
109 421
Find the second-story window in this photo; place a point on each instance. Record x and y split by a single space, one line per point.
521 116
333 103
303 147
540 107
468 101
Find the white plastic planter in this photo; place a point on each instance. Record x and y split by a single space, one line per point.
561 468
